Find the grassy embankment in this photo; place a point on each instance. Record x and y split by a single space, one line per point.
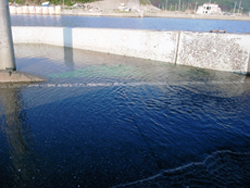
145 2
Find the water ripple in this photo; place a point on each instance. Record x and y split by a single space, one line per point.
221 169
120 84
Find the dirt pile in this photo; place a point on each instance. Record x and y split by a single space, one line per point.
127 5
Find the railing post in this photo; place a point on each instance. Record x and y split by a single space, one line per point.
7 58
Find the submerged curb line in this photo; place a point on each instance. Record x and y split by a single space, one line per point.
19 77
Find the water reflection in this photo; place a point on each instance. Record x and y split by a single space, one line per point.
19 137
68 46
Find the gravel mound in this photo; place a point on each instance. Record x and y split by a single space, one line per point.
133 5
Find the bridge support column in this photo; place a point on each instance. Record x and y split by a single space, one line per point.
7 58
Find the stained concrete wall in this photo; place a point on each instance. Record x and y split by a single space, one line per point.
224 52
218 51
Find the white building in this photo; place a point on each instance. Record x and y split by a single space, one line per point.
209 8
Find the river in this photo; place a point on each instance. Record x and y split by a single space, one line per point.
104 120
132 23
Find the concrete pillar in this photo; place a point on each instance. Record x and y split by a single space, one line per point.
7 59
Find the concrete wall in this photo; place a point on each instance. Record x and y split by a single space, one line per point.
35 10
218 51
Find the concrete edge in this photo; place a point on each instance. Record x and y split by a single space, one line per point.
177 47
20 77
248 68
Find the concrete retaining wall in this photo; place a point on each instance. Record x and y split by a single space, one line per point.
218 51
35 10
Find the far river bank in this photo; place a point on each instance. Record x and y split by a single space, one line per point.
162 14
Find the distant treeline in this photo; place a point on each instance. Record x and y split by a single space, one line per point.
225 5
54 2
144 2
66 2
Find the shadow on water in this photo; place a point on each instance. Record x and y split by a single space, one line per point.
20 140
68 47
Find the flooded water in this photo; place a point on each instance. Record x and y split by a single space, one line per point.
132 23
111 121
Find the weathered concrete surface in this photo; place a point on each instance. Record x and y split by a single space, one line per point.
154 45
38 35
218 51
19 77
7 60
